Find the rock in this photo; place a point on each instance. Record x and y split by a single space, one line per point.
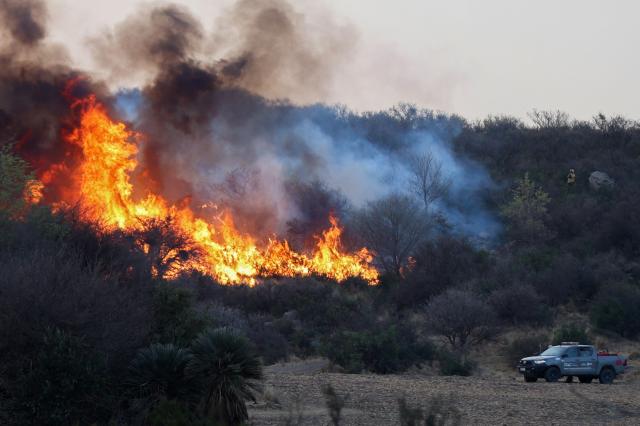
600 180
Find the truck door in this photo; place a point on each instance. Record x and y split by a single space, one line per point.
586 360
570 361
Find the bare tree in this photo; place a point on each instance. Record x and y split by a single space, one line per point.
428 180
460 317
166 246
392 227
549 119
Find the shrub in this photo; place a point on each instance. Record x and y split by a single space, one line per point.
383 351
61 292
228 372
617 308
63 382
453 364
335 403
571 332
268 341
173 413
174 318
523 346
461 317
159 372
439 264
519 304
440 411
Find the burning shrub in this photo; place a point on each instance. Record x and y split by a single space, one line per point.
18 186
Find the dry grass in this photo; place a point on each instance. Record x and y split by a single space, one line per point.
495 395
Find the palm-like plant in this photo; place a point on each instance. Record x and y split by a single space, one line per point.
159 372
229 373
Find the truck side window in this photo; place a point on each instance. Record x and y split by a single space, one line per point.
586 352
572 352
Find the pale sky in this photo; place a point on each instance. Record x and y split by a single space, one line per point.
470 57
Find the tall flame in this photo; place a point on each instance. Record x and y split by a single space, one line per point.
106 193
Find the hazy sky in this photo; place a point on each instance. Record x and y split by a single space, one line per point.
469 57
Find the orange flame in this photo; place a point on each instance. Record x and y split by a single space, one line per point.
106 193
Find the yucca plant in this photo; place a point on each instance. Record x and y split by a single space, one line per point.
229 373
159 372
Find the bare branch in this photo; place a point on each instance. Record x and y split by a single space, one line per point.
428 180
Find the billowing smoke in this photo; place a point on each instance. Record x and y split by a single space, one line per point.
215 127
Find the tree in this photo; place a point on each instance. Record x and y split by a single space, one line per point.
428 181
392 227
460 317
527 212
229 373
549 119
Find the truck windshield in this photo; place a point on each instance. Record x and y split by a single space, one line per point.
555 351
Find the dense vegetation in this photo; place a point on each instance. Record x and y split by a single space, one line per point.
88 335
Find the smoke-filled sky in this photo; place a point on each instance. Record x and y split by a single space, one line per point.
468 57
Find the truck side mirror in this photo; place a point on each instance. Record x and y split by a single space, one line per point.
565 356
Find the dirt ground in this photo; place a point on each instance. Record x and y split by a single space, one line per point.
293 391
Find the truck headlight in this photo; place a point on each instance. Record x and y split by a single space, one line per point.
539 361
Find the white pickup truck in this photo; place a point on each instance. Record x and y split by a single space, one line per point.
571 359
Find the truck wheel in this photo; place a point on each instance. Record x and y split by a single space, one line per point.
530 379
585 379
606 376
552 374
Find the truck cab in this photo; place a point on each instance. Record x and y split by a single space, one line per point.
571 359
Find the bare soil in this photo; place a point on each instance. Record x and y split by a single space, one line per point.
293 390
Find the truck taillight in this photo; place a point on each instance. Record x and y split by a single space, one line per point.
619 362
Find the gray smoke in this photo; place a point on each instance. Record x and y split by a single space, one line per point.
214 131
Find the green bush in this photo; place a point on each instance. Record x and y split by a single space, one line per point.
384 351
174 413
175 319
62 383
617 309
452 364
571 332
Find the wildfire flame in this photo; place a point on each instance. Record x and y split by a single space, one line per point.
106 193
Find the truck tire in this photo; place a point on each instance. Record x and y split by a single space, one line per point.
552 374
585 379
530 379
607 375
